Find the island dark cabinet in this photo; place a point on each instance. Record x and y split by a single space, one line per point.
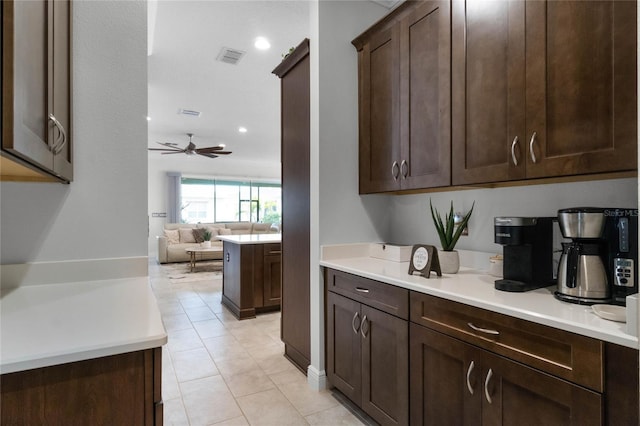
542 89
404 106
36 91
251 278
453 382
367 348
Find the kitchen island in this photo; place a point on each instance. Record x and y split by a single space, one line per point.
83 353
251 280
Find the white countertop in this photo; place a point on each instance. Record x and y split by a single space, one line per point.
476 288
43 325
251 238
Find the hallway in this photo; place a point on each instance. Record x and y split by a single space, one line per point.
221 371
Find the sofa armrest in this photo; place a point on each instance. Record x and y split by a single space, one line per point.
162 249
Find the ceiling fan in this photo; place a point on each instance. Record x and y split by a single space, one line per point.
211 152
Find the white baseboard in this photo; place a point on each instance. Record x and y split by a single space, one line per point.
317 380
38 273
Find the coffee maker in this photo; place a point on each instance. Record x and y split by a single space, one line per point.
621 234
599 264
528 252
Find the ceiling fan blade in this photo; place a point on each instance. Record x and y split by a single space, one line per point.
168 145
165 149
212 148
173 152
204 154
211 151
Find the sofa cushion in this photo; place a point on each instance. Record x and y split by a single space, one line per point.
223 231
260 228
173 236
214 231
239 228
186 235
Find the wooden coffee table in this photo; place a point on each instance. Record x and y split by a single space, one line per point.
192 252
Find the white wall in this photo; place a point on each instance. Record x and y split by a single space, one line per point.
103 213
411 221
338 213
203 168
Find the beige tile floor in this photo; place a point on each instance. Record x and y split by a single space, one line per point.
220 371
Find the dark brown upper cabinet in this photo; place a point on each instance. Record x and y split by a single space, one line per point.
36 90
404 76
542 89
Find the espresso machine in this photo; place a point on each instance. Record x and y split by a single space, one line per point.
599 264
528 252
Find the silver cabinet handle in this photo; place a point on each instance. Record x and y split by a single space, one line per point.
533 154
483 330
395 170
362 325
362 290
404 169
469 370
513 151
486 386
354 323
57 147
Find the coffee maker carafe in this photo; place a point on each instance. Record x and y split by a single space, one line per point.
582 272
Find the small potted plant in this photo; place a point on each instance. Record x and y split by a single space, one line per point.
449 231
206 236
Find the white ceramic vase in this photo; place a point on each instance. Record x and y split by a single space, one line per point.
205 244
449 261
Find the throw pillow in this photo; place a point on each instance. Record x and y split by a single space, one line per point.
173 237
214 232
198 234
186 235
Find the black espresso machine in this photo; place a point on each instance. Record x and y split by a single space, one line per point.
621 236
528 252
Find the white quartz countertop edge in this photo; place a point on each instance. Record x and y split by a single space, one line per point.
51 324
251 238
476 288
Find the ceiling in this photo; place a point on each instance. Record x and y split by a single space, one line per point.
185 38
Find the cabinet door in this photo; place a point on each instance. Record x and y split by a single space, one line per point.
488 89
379 125
581 87
25 85
514 394
425 96
344 352
385 367
446 380
272 280
61 91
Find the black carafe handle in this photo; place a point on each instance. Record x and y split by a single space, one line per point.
573 252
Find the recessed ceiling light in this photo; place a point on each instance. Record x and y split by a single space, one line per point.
148 118
262 43
242 129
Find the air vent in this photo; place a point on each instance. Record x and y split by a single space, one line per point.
230 56
189 112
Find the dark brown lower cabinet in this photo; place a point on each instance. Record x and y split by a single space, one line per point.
367 358
251 278
121 389
455 383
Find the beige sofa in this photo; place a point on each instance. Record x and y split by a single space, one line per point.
172 245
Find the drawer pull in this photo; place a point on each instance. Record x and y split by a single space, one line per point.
362 290
354 323
275 252
365 322
513 151
486 386
469 370
483 330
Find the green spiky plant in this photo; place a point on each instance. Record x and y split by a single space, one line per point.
206 235
447 230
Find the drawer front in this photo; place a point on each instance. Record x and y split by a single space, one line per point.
272 248
387 298
576 358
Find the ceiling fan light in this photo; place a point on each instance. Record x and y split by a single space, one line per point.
242 129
